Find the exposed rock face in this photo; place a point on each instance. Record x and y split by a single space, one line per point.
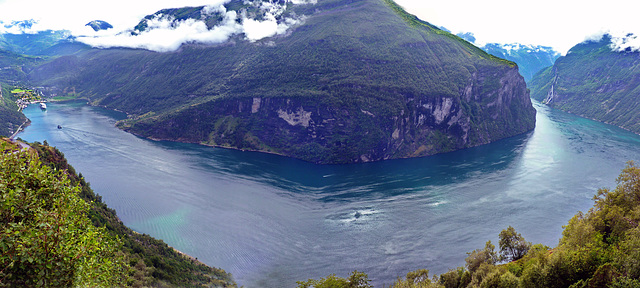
311 130
358 81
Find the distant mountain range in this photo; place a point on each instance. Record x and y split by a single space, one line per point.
530 58
43 43
356 81
594 80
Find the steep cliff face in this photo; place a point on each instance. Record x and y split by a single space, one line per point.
358 81
488 108
594 80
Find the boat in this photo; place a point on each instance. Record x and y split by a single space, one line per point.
43 106
59 127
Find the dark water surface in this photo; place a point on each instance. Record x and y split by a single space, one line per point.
272 220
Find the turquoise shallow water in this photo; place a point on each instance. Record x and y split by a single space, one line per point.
273 220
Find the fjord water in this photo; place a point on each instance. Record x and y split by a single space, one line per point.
272 220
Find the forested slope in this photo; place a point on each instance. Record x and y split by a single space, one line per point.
596 81
356 81
43 199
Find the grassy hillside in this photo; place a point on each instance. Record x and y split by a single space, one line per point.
378 84
594 81
143 260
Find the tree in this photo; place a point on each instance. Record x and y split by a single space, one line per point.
355 280
477 257
46 239
512 245
416 279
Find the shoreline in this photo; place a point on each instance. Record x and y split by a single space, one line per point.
284 155
20 128
587 117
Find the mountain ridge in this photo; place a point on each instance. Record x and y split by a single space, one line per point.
359 81
530 58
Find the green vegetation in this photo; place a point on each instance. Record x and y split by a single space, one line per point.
71 96
43 43
512 245
10 117
360 68
416 22
600 248
14 66
26 95
356 280
46 240
594 82
96 249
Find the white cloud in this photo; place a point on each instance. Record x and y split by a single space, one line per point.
620 40
256 30
624 41
559 24
72 15
162 34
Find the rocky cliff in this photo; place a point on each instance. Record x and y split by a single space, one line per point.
346 132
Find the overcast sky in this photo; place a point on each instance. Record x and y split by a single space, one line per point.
556 23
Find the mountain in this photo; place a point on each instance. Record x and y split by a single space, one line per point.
176 15
529 58
42 43
98 25
596 81
467 36
349 81
13 67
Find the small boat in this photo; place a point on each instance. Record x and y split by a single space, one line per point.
59 127
43 106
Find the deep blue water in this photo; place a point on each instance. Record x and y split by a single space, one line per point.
272 220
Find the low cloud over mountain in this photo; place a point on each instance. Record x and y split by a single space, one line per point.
167 30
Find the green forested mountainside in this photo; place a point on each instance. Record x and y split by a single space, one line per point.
594 81
14 67
43 43
599 248
358 81
126 258
10 117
